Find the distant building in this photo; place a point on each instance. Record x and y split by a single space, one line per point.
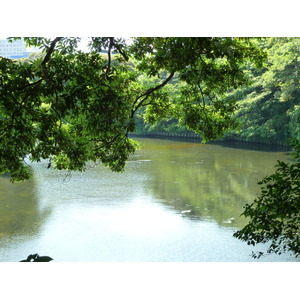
16 49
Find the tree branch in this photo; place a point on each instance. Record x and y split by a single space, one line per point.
50 50
148 93
43 64
121 51
202 96
48 55
111 43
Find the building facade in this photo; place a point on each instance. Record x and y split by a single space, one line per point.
16 49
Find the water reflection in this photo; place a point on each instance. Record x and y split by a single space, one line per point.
210 181
176 201
19 209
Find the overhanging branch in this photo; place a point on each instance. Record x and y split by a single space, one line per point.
142 98
48 55
111 42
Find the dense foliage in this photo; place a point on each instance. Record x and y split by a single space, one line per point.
275 214
71 107
268 109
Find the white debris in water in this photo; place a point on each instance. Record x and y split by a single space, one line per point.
229 221
186 211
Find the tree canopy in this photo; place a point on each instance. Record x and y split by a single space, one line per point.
71 107
267 106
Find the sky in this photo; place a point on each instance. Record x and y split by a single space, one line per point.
82 45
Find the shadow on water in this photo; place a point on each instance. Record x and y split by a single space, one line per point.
19 209
229 144
253 146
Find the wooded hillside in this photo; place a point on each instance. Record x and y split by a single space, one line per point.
268 108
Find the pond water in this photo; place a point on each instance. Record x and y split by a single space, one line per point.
176 202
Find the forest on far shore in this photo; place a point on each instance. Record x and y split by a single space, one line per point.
268 108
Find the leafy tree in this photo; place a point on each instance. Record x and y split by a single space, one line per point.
71 107
274 215
269 107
